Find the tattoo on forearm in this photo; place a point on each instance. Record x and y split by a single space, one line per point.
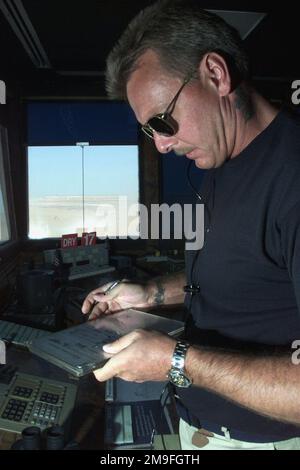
160 294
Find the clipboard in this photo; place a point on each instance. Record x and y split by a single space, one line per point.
78 349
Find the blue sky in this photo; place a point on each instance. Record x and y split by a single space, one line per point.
109 170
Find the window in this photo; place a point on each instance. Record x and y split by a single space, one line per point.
83 188
4 219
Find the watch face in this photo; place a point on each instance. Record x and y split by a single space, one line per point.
177 378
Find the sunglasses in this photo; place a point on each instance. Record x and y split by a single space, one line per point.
163 123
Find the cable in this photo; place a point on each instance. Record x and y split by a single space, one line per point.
204 200
163 417
190 182
188 175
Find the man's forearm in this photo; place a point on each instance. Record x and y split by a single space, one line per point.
269 385
166 290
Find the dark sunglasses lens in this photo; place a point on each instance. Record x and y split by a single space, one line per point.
161 126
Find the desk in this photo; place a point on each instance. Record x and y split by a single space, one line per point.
88 416
87 426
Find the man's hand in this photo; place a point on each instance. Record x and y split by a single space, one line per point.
138 357
123 296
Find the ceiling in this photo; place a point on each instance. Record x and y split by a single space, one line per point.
74 39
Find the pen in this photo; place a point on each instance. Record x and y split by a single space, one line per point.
112 286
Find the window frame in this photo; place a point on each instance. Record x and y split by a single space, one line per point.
7 191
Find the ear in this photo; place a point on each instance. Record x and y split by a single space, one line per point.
214 71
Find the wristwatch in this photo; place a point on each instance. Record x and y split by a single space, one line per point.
176 374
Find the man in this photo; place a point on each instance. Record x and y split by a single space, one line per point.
185 75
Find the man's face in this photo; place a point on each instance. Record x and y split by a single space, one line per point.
201 135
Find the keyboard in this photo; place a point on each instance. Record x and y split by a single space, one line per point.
30 400
20 335
132 425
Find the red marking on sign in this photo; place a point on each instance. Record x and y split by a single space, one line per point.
88 239
69 241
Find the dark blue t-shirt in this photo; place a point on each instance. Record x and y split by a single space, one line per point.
249 267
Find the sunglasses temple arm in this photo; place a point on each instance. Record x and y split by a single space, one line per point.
171 106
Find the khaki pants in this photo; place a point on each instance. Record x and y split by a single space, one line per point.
199 439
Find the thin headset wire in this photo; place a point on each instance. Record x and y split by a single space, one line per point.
163 403
162 407
209 213
211 189
190 181
200 199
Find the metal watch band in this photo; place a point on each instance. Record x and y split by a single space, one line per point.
179 354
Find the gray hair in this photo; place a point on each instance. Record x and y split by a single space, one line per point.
181 33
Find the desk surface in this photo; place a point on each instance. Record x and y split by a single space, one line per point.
87 426
87 420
